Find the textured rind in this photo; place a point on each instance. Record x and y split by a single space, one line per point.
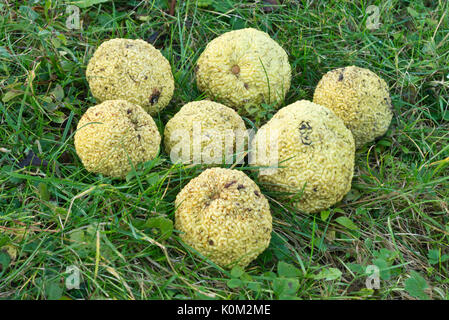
131 70
112 134
264 71
315 154
224 216
211 115
360 98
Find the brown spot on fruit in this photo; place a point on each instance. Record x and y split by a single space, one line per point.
240 186
129 75
257 193
215 196
340 78
154 98
246 86
235 69
305 125
227 185
211 243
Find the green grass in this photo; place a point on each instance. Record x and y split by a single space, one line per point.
51 217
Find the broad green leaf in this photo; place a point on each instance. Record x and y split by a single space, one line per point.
325 214
285 286
415 286
246 277
405 149
5 260
386 254
356 268
53 290
346 222
383 266
82 243
8 96
57 93
237 272
234 283
270 275
385 143
92 229
77 236
159 227
353 195
435 257
28 12
287 270
43 191
254 286
412 12
328 274
58 116
223 5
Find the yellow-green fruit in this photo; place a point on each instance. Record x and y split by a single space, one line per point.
244 68
314 152
112 135
360 98
131 70
223 215
205 132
